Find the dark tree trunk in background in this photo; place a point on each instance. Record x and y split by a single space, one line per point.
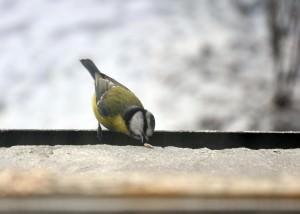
284 28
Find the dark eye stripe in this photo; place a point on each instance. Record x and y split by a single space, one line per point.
152 121
145 122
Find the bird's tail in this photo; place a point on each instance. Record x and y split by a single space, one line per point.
90 66
96 73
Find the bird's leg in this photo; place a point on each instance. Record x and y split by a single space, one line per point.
99 132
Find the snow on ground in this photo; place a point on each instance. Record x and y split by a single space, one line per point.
194 64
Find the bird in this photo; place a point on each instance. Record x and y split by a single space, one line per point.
117 108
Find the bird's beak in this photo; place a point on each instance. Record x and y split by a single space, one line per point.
143 139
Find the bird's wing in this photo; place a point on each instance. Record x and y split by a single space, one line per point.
104 83
116 100
102 86
113 81
96 73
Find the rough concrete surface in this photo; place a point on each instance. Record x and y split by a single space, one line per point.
104 170
106 159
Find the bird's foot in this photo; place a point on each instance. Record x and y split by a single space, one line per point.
99 132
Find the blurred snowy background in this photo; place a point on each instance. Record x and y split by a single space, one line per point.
196 64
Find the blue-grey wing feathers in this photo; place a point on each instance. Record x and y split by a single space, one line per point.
118 98
96 73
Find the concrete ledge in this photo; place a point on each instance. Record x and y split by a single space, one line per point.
37 191
42 183
201 139
59 171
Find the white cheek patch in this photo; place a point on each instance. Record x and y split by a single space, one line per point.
149 132
136 123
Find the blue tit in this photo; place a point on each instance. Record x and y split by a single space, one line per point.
117 108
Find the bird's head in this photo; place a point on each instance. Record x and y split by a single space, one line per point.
140 123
